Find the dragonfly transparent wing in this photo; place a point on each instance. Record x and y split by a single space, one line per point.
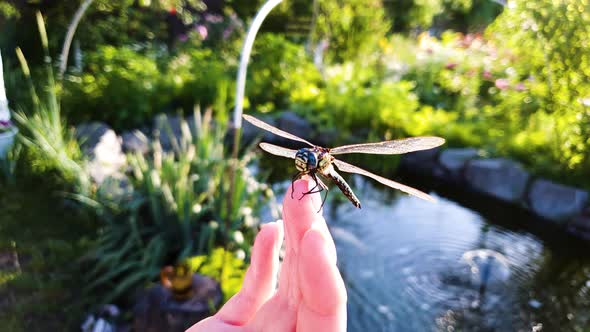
398 146
346 167
278 150
263 125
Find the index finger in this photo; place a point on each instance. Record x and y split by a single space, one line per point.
300 212
303 212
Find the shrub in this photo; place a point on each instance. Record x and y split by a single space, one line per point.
120 86
352 28
550 39
278 69
194 76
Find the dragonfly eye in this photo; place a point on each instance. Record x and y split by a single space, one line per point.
305 160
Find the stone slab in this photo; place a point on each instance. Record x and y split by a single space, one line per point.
500 178
554 201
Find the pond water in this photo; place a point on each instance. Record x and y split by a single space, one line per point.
411 265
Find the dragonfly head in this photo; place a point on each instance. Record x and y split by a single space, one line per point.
308 160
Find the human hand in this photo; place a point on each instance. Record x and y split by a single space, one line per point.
311 295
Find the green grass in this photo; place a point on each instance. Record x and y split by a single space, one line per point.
48 236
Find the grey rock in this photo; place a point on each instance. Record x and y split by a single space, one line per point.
294 124
326 137
424 162
288 121
251 132
555 201
89 134
135 141
104 150
156 310
454 160
503 179
168 130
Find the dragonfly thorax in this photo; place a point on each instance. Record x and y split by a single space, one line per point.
312 160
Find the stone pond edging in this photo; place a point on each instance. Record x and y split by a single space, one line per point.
499 178
506 180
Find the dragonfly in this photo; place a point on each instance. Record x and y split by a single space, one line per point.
316 160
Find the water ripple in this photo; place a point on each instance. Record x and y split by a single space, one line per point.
409 266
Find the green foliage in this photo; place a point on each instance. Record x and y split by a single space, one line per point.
194 76
223 266
407 15
120 86
174 206
278 69
8 10
352 27
352 100
553 37
42 129
48 237
126 87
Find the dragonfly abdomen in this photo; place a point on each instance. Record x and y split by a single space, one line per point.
344 187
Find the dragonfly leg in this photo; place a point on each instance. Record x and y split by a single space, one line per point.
313 190
326 195
322 186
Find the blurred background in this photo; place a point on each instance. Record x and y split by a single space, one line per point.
118 171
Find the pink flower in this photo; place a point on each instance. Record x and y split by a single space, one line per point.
227 32
520 87
202 30
451 65
487 75
183 37
502 84
213 18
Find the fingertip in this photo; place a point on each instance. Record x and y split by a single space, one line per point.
296 198
267 236
300 212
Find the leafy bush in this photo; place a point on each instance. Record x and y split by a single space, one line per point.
352 28
550 39
278 69
120 86
194 76
503 99
126 88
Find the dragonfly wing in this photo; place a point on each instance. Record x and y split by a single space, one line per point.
346 167
278 150
263 125
398 146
